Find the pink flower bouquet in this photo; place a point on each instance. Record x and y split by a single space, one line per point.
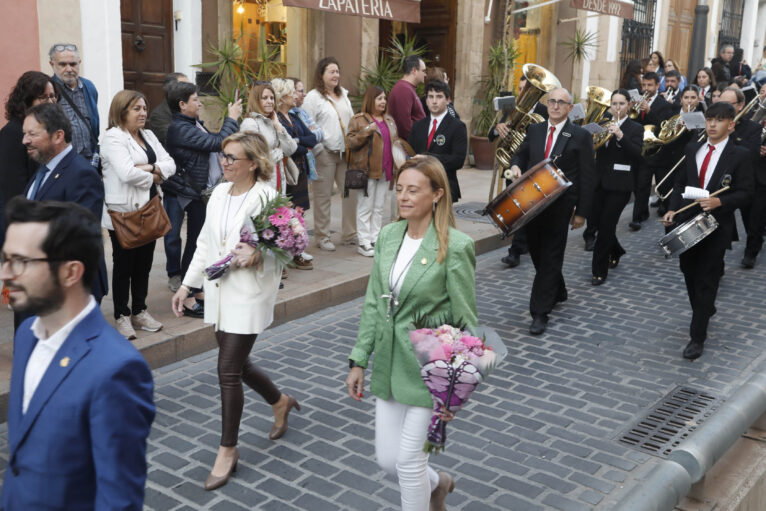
453 362
279 228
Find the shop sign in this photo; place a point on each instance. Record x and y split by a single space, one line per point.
398 10
610 7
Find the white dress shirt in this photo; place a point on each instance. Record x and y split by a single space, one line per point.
51 167
558 127
702 152
45 350
438 120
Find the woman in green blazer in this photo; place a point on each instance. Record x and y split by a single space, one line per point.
423 266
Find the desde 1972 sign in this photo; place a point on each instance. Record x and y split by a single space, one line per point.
610 7
398 10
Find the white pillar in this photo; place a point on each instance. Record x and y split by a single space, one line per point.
760 36
714 25
102 50
591 27
747 36
658 22
613 42
187 37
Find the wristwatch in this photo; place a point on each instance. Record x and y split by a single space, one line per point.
352 364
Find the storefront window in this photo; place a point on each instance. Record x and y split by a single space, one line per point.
263 27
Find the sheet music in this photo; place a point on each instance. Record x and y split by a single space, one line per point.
594 128
693 120
577 113
634 95
692 192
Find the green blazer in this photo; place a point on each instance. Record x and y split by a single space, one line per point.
430 289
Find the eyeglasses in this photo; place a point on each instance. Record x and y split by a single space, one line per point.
64 47
229 159
300 91
18 265
51 98
558 102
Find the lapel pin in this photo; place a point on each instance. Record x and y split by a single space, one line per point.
64 362
56 176
424 261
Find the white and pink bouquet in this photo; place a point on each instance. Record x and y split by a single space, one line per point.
453 362
279 228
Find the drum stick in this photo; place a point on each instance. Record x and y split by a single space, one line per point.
696 203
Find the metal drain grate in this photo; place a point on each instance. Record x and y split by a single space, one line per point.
472 211
671 421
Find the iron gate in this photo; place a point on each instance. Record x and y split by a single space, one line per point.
731 23
637 33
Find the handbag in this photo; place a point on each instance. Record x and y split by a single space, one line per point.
137 228
292 173
356 179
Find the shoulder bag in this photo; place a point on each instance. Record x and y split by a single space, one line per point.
137 228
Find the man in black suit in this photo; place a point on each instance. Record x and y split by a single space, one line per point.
758 206
672 92
519 240
571 148
711 164
616 162
653 110
746 134
63 174
440 135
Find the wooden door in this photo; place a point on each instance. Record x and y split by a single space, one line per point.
680 23
147 46
438 30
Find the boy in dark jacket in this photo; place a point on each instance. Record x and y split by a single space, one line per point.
194 149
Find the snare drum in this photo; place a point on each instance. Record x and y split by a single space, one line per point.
688 234
526 197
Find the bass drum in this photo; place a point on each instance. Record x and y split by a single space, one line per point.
688 234
527 196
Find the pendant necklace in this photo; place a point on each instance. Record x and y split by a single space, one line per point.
225 233
392 297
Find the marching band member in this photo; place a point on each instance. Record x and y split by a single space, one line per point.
616 162
758 207
711 165
571 147
653 110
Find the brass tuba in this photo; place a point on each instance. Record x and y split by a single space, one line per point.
540 81
598 103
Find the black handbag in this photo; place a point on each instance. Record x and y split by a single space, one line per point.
356 179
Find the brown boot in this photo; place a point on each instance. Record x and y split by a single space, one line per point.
439 495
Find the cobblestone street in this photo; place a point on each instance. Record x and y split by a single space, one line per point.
541 433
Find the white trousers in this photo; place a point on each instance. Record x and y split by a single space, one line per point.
400 433
369 211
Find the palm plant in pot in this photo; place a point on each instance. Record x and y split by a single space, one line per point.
500 60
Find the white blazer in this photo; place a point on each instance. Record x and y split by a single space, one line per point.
126 187
242 301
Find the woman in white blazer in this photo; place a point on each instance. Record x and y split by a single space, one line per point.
262 119
240 303
133 162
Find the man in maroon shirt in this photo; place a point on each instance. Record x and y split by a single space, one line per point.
403 102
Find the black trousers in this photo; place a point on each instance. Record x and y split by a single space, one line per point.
756 221
234 367
702 266
130 276
605 213
642 188
547 240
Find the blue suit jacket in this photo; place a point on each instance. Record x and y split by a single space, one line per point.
75 180
82 442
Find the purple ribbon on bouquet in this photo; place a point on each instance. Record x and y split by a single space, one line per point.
219 268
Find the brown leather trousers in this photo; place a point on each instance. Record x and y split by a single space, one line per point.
234 367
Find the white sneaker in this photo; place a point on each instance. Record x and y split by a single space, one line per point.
326 244
125 328
307 256
365 250
145 321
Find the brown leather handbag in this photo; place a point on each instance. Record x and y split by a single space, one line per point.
137 228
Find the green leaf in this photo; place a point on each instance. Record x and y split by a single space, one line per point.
580 45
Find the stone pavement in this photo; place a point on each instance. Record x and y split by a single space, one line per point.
540 434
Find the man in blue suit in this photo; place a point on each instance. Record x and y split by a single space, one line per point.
80 406
63 175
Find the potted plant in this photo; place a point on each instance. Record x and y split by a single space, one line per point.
500 59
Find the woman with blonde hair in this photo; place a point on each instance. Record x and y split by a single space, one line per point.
371 135
240 304
262 118
423 266
133 163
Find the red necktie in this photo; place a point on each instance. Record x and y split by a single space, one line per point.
549 143
705 163
643 115
431 135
